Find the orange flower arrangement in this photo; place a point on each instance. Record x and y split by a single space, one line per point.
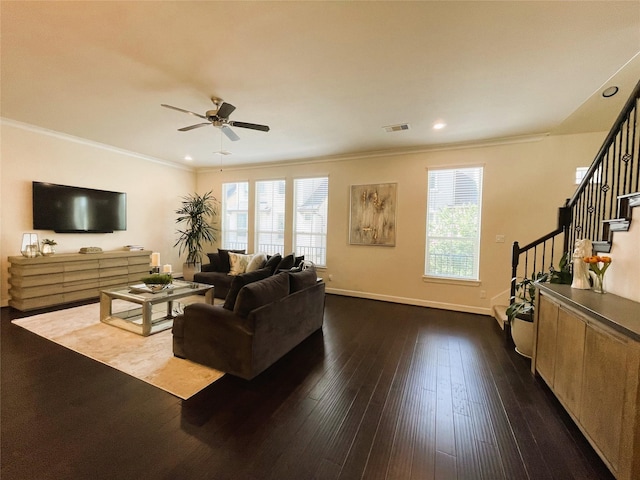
599 265
595 261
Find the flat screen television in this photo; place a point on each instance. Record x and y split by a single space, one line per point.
66 209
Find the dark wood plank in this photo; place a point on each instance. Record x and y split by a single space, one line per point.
384 391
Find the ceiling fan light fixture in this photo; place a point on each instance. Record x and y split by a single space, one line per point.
610 91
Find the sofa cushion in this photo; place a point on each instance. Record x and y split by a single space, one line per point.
240 281
238 263
303 279
286 263
261 293
214 262
224 259
257 262
273 261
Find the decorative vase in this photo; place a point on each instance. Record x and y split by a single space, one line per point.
189 269
30 245
598 282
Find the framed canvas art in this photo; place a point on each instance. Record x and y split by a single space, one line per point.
373 214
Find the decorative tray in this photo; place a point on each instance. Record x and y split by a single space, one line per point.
142 288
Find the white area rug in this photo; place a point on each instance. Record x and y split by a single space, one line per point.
147 358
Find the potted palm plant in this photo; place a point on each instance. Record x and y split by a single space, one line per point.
195 220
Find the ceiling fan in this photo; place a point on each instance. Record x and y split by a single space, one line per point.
219 118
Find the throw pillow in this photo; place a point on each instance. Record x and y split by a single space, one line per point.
298 261
238 263
224 259
257 262
303 279
286 263
214 261
273 262
240 281
261 293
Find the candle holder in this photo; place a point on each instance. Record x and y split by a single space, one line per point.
30 245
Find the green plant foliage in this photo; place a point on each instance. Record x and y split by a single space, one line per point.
195 218
562 275
523 301
158 279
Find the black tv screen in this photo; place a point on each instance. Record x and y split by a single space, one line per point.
67 209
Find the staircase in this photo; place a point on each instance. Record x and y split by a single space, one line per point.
601 206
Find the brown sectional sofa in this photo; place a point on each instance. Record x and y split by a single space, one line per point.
268 318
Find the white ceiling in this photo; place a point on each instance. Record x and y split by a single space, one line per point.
326 76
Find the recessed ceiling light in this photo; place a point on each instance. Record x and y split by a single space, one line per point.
610 92
439 125
222 152
188 158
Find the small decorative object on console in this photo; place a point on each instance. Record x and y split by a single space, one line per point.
90 250
48 246
30 245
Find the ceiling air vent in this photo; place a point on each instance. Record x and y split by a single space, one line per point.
396 128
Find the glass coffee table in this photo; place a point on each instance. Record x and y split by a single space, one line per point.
150 316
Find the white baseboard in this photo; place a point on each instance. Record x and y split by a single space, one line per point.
410 301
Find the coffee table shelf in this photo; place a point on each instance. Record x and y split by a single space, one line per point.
144 319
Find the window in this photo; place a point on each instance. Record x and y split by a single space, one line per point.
310 197
581 172
454 204
270 216
235 206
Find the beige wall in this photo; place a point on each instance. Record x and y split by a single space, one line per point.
524 184
153 192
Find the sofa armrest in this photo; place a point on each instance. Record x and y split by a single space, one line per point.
213 336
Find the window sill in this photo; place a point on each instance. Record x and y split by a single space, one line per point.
452 281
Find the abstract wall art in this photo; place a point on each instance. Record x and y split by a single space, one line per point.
373 214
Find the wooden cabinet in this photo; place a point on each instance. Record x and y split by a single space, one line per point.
587 349
569 359
62 278
547 337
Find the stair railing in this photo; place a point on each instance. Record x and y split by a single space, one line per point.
598 207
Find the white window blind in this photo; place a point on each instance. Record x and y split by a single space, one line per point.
235 212
270 216
454 204
310 219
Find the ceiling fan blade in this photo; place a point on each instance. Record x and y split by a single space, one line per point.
231 135
197 125
252 126
225 110
183 110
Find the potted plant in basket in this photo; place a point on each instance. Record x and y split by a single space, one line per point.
195 218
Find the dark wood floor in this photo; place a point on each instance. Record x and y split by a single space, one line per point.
385 391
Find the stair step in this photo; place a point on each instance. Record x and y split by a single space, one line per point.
632 198
601 247
618 224
500 314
